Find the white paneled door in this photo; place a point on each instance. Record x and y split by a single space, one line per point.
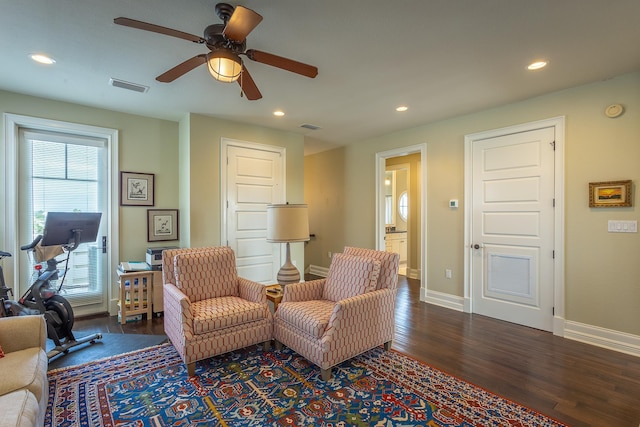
512 247
254 179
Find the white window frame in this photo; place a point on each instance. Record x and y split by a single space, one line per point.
9 186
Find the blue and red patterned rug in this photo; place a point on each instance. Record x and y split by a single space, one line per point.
253 387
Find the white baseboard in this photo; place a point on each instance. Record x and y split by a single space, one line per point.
601 337
442 299
413 273
316 270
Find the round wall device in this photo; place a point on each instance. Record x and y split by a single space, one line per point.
614 110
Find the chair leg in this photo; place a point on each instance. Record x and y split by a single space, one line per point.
191 369
387 345
325 374
278 345
267 345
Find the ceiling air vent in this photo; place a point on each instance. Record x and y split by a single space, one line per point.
128 85
310 126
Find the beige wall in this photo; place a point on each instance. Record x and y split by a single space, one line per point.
324 193
202 170
601 269
183 156
145 145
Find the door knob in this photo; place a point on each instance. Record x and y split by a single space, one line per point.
476 246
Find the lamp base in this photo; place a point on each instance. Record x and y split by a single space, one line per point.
288 273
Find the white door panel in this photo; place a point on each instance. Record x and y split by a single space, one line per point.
512 190
513 228
511 274
512 224
254 179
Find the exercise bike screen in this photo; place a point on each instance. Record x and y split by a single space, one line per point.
59 227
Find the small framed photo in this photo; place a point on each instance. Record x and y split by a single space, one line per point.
136 189
162 224
610 194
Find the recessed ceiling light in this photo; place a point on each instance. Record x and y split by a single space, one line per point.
402 108
42 59
537 65
278 113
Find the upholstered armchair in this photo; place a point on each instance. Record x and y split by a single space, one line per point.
208 309
350 311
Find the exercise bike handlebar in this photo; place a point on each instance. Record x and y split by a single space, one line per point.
32 244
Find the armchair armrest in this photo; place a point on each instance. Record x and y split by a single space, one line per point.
177 313
304 291
374 310
252 291
21 332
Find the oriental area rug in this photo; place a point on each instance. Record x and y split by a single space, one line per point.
252 387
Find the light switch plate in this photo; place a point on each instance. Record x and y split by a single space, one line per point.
617 226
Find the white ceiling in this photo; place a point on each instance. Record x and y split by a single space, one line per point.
441 58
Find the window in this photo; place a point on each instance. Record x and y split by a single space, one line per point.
403 206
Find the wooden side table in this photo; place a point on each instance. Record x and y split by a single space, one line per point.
274 294
135 294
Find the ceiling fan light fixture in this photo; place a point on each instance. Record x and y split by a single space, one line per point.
224 65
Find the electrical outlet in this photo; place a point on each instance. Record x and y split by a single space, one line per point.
447 273
329 254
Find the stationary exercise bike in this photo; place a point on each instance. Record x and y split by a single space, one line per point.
62 235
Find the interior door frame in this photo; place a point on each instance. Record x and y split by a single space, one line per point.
558 123
381 158
12 125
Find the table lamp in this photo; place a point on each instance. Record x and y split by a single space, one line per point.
287 224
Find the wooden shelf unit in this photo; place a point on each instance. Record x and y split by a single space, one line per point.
136 294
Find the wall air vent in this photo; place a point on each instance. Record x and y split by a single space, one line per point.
128 85
310 126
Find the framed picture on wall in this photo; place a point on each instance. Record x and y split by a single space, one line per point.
610 194
162 224
136 189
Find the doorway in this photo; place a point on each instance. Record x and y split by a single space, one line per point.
415 208
401 211
513 256
47 161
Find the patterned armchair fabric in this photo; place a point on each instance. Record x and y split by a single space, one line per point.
350 311
208 309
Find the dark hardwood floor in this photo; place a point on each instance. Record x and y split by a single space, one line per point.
576 383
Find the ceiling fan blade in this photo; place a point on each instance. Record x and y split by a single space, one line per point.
248 86
241 23
181 69
281 62
157 29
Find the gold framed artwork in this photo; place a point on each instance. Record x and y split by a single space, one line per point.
162 225
136 189
610 194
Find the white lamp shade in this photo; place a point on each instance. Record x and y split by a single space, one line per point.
287 223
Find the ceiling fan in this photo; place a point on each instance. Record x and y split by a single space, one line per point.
226 42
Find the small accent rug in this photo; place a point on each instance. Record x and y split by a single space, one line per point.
108 345
252 387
